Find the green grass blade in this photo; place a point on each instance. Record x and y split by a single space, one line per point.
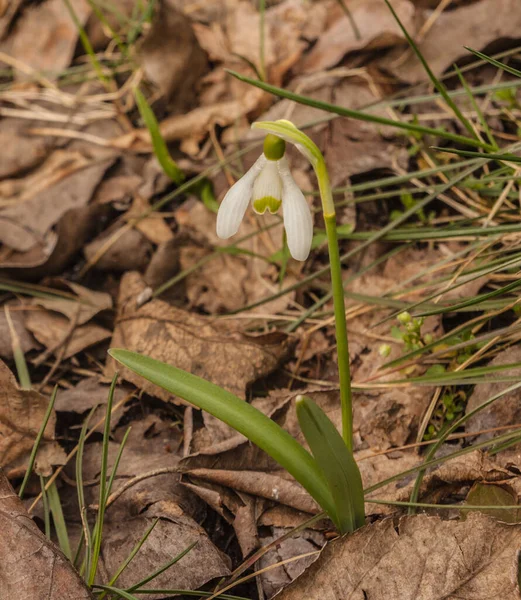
132 554
162 569
37 442
435 81
46 513
475 105
489 155
59 521
359 115
86 537
116 463
158 142
87 46
512 435
494 62
240 415
458 423
471 301
170 592
98 527
336 462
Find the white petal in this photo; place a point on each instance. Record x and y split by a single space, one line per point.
235 203
298 221
267 189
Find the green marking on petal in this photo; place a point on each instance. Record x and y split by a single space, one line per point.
261 205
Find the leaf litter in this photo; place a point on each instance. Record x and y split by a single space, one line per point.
88 261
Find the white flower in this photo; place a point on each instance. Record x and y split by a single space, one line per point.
268 184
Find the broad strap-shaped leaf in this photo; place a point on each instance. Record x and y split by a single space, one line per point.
336 462
236 413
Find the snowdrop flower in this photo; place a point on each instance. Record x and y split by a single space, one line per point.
268 185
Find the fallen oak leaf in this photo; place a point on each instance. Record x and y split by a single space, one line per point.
31 566
21 416
211 349
423 558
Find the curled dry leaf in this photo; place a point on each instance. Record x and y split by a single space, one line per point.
25 339
214 350
376 26
45 36
83 308
31 566
27 224
505 409
171 56
26 229
423 558
21 416
56 333
25 151
118 248
476 25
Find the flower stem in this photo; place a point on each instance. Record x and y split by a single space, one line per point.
337 289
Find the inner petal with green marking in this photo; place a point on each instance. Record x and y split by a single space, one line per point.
267 189
261 205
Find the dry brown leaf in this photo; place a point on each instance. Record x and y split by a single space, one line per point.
25 339
85 395
504 410
21 417
45 36
228 283
73 229
423 558
26 225
25 151
153 444
355 146
87 304
171 56
304 543
154 227
131 250
476 25
173 533
376 25
214 350
31 566
54 332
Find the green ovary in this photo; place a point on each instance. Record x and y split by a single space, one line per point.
261 205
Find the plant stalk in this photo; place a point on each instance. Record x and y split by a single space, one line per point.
337 289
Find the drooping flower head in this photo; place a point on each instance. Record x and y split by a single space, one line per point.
268 185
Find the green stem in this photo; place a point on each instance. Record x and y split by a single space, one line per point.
337 289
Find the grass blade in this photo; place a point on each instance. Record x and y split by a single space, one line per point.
98 527
37 442
494 62
355 114
158 143
59 521
162 569
435 81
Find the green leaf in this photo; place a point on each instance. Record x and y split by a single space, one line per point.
482 494
158 143
239 415
355 114
336 462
